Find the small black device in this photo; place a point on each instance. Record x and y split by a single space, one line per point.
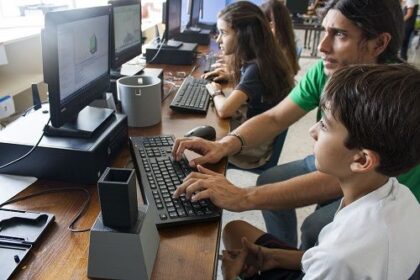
75 52
79 160
183 55
192 96
159 175
205 131
118 197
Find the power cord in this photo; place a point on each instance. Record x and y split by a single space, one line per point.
78 215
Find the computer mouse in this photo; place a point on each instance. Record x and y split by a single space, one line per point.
205 131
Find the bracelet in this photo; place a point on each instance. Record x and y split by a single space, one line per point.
240 137
216 93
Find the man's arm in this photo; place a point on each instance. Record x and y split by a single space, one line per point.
304 190
267 125
299 191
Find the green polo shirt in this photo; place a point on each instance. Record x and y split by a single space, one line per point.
307 95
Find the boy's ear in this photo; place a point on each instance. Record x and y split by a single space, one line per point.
365 161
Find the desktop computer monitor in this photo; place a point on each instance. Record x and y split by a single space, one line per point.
75 51
172 18
196 8
297 7
126 39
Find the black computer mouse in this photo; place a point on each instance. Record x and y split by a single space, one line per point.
205 131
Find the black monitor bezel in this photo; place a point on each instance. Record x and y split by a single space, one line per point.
169 34
67 111
126 55
195 13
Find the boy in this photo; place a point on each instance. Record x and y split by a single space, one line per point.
367 135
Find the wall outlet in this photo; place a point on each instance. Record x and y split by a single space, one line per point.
7 106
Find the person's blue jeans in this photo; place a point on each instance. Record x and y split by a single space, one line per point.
283 223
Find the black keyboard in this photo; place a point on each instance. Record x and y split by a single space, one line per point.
159 175
208 62
192 96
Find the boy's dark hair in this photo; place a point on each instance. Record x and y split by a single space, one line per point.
379 106
374 18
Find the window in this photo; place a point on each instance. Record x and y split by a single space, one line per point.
30 13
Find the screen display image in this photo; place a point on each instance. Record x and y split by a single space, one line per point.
82 53
185 13
173 20
127 28
195 12
76 63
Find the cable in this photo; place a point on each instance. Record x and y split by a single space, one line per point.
28 153
78 215
158 51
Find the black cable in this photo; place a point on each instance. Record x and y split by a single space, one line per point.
28 153
78 215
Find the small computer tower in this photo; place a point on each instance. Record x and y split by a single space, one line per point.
183 55
200 36
77 160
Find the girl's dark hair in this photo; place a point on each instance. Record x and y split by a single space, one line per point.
255 42
374 18
277 13
379 106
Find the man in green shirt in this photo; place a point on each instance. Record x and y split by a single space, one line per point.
356 31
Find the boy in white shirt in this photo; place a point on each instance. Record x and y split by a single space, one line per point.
368 135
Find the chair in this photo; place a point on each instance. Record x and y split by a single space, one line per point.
274 159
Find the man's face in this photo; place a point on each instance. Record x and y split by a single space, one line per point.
343 43
331 156
226 38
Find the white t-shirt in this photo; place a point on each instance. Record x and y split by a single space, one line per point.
375 237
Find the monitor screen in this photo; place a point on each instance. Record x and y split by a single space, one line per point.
75 46
195 12
185 13
173 18
125 31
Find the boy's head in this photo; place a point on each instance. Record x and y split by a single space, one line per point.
374 110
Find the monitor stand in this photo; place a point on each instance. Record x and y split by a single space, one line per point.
88 121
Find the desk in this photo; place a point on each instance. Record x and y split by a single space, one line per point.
187 252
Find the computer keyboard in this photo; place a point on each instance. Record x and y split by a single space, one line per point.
192 96
208 62
159 175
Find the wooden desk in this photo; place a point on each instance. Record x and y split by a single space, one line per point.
187 252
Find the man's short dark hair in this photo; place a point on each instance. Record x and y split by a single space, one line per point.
375 17
380 107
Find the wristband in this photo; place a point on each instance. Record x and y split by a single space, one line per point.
240 137
216 93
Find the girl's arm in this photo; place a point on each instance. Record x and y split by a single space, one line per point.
227 106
